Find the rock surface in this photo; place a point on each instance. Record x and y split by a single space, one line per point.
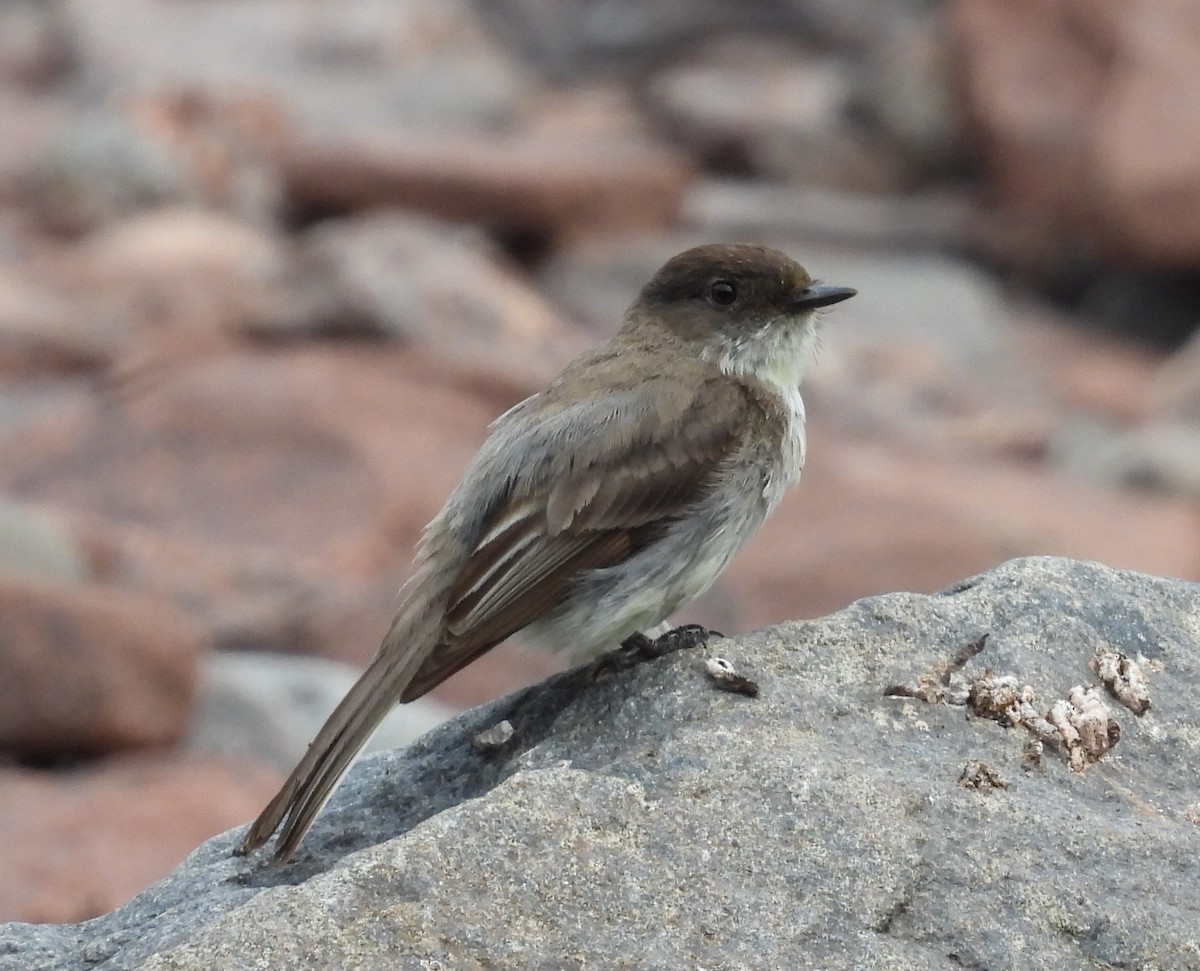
514 187
920 520
773 110
38 547
77 843
236 379
445 290
185 482
649 820
255 706
1080 113
92 669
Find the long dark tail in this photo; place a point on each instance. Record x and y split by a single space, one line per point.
332 752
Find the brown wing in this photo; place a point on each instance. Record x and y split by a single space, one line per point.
533 547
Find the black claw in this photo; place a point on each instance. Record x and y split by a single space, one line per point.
682 638
639 648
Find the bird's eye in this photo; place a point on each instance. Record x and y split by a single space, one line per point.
723 292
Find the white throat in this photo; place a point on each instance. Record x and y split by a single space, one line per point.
778 355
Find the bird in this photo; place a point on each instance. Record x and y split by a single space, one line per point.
598 507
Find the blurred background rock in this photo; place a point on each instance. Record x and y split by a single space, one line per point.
269 267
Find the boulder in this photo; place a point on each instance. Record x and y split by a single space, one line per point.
1081 113
880 803
257 706
88 668
77 843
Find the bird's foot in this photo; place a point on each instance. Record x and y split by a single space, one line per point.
638 648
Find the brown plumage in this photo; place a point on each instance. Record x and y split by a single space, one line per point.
598 507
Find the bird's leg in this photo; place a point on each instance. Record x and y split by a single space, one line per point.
638 648
682 639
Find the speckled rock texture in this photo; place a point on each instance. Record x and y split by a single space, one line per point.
645 819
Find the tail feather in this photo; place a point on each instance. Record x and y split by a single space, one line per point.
331 754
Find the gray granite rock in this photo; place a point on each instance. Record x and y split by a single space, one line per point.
1161 456
648 820
397 63
35 545
261 706
568 38
768 108
912 223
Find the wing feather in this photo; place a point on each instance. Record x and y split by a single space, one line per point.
641 472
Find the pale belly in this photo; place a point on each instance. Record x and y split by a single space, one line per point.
609 605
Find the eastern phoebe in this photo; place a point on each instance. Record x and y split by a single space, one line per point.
602 505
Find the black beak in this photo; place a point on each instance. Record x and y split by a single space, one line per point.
819 295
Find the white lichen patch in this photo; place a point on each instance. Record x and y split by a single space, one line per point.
1080 725
1123 677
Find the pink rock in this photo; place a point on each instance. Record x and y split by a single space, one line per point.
92 668
543 188
277 497
869 519
77 844
1083 113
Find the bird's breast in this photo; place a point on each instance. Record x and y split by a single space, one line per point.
785 466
